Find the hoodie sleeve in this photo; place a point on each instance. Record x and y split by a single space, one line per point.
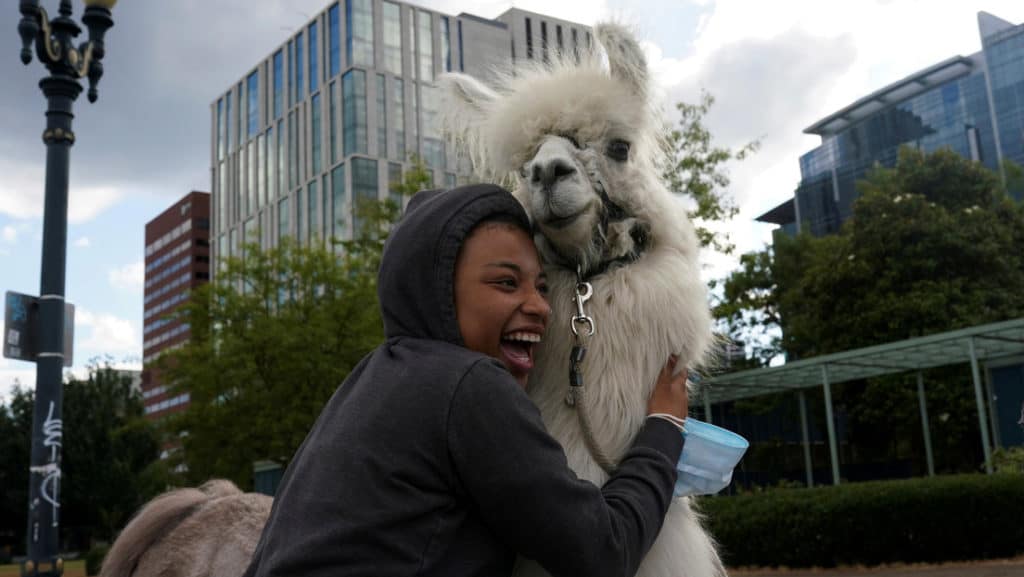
519 477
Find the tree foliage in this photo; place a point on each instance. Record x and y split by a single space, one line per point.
110 458
697 169
271 340
934 244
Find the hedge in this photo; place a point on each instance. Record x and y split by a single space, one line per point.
948 518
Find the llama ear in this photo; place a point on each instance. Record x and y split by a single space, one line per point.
466 102
465 95
626 59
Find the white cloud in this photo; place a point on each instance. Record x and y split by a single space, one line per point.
82 242
22 191
99 334
130 277
9 234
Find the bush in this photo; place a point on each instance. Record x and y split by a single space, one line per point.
948 518
94 559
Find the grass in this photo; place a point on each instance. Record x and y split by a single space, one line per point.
71 569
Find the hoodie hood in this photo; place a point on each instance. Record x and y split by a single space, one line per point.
417 272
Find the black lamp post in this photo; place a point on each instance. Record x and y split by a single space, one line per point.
55 48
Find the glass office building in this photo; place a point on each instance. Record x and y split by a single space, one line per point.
334 113
973 105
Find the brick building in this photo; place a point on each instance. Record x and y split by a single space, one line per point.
177 260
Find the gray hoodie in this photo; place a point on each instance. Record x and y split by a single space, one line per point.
431 460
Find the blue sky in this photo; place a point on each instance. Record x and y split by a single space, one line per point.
774 67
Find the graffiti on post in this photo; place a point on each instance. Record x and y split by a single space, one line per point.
49 485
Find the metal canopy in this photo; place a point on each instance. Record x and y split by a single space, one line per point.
991 341
894 93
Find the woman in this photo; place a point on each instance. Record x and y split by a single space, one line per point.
430 459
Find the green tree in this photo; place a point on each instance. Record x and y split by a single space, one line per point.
15 443
110 458
933 245
270 341
696 168
273 338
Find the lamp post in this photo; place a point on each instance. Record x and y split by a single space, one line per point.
67 63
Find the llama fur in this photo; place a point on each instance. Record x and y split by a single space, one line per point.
650 302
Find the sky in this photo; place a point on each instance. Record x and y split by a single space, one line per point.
774 69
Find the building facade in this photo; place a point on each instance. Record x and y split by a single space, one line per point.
334 114
973 105
177 261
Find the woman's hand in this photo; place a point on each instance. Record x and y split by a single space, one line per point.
670 395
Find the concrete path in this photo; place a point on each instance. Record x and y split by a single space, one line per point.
995 568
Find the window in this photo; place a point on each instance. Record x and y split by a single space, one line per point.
414 138
391 35
334 47
253 108
253 200
298 68
300 230
282 154
433 146
325 214
364 188
239 115
293 150
311 196
261 171
529 39
575 45
354 114
331 121
314 78
278 82
558 37
462 63
395 181
268 157
316 133
382 118
338 200
446 44
398 109
544 40
283 226
220 129
222 196
359 35
425 36
291 76
227 122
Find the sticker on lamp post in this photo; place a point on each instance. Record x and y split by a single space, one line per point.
21 317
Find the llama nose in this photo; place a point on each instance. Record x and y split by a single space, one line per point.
548 172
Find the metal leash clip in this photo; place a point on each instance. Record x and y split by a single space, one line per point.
583 293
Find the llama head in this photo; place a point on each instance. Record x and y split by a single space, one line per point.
579 138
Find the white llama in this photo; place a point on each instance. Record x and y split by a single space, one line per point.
580 139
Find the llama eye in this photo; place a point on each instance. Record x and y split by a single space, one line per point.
618 149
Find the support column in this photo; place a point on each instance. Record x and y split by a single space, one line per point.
830 421
979 397
802 398
924 425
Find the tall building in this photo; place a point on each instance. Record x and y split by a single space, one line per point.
973 105
177 261
334 113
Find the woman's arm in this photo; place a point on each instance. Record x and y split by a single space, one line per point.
520 479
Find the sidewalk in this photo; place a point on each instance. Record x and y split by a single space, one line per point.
992 568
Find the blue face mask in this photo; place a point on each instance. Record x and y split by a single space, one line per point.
709 456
